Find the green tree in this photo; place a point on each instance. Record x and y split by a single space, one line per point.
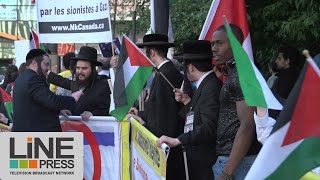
272 23
287 22
124 10
188 17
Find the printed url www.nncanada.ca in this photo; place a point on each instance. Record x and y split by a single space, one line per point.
78 27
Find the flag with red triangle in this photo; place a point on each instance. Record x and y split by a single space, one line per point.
7 101
34 40
293 146
236 13
132 73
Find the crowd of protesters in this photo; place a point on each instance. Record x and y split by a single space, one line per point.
204 115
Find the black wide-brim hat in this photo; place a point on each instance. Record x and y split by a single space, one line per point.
196 50
155 40
87 53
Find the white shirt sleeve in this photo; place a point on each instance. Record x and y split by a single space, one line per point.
264 126
316 170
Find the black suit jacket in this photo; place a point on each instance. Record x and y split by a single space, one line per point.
95 98
35 107
200 142
161 109
161 115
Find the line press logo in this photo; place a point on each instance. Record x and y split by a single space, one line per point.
52 151
43 154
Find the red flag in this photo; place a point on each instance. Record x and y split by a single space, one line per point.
34 40
305 122
7 101
235 12
137 58
5 96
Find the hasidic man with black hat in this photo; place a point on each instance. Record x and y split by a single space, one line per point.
161 110
201 112
96 92
35 107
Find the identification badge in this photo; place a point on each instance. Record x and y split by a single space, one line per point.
189 122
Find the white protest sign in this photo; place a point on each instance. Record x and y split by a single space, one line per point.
74 21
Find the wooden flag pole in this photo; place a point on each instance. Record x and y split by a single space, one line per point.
112 48
185 159
154 66
164 77
185 162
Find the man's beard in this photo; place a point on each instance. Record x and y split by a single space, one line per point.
85 82
41 73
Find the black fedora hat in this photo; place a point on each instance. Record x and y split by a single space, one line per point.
155 40
196 50
87 53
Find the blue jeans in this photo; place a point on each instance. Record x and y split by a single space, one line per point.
241 171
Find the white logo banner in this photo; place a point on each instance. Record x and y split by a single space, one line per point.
74 21
38 156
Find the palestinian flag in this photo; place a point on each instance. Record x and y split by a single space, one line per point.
132 73
7 101
236 13
254 87
293 146
34 40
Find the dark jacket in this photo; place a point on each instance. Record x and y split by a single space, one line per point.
35 107
161 109
285 82
161 115
200 142
95 98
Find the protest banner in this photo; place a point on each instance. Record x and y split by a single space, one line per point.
65 48
106 147
107 48
74 21
147 160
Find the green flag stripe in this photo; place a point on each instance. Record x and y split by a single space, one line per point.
120 112
136 84
301 160
9 108
133 90
249 83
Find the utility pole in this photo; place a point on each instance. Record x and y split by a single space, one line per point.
114 18
161 16
134 21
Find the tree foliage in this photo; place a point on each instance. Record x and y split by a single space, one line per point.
188 17
125 10
287 22
272 23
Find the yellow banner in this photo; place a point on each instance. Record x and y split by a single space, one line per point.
125 150
145 143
